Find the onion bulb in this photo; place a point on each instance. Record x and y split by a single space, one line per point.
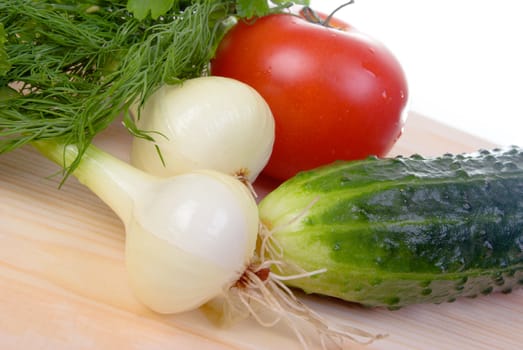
204 123
189 238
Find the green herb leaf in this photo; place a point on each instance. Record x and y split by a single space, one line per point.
141 8
252 8
288 3
4 58
259 8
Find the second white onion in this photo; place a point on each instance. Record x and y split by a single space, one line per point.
205 123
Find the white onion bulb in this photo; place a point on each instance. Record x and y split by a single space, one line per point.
205 123
190 240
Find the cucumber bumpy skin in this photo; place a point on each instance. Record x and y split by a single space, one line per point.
398 231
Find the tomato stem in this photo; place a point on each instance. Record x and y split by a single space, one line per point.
329 17
312 16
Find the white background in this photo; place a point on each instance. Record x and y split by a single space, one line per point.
463 58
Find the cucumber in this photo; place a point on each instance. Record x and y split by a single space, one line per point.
398 231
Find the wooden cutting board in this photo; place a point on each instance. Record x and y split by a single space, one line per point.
63 283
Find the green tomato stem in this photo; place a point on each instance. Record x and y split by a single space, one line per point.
115 182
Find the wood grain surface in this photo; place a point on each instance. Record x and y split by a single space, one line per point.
63 283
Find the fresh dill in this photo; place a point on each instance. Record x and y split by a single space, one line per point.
69 68
78 65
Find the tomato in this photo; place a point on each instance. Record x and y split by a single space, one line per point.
335 94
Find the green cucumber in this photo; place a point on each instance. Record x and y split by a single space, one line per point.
398 231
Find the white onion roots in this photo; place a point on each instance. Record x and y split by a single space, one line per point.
261 293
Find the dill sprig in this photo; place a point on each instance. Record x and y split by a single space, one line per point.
71 67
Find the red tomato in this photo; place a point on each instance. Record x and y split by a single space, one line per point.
335 95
